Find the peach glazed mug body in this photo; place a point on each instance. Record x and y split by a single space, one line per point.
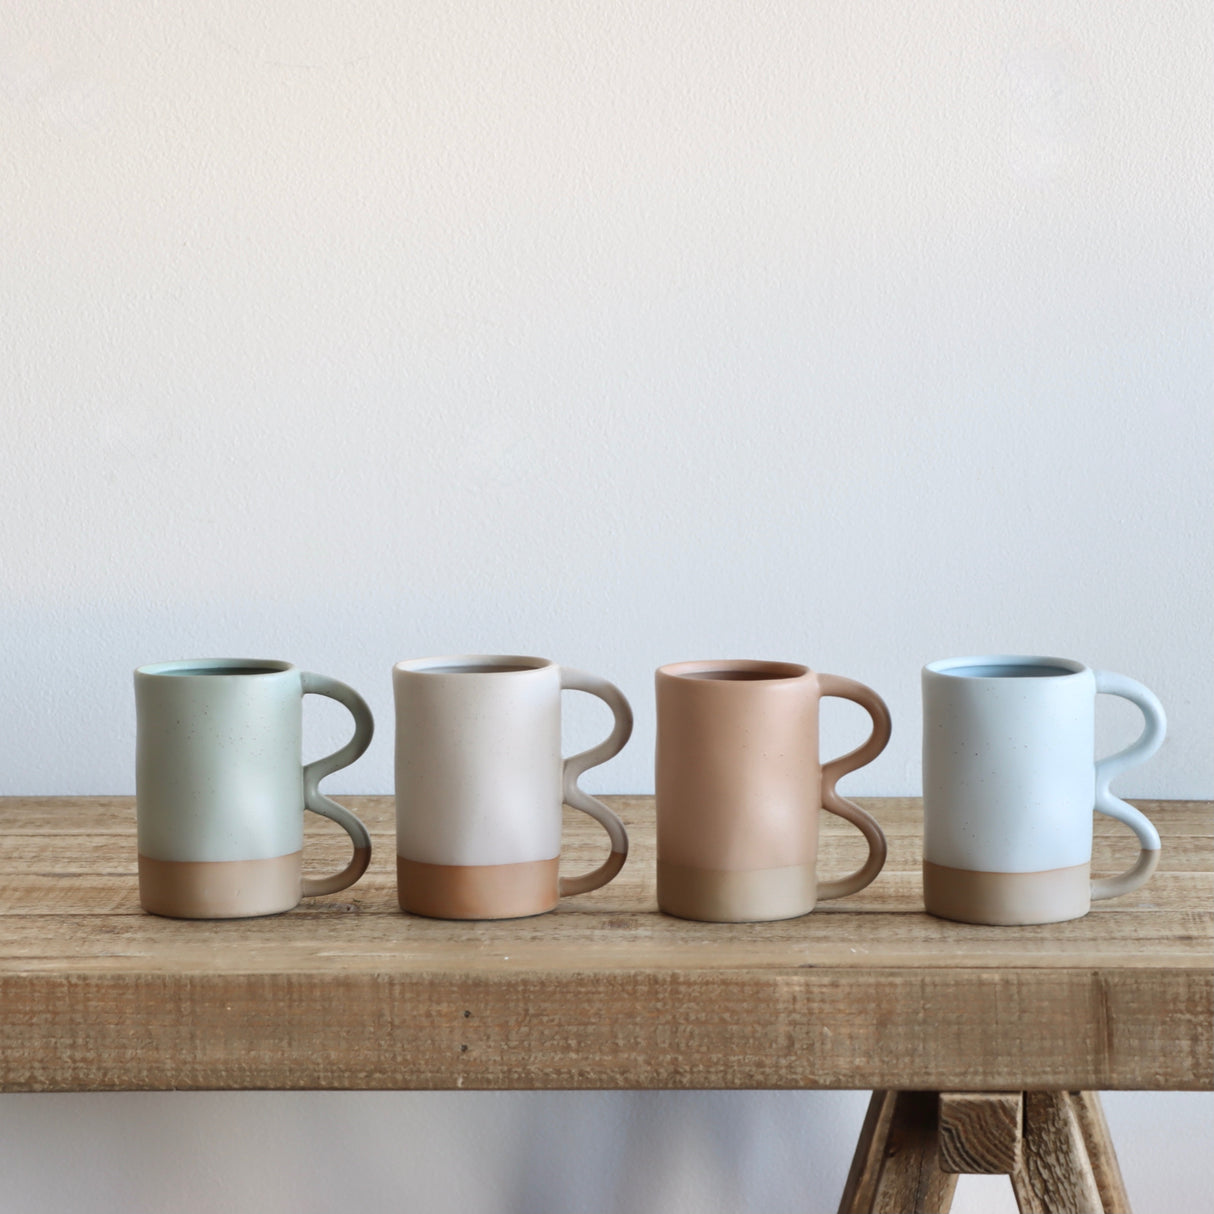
740 786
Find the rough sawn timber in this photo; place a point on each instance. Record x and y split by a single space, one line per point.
346 992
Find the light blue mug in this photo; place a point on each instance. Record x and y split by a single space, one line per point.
1010 781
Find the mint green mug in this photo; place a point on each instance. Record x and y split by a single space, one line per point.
220 786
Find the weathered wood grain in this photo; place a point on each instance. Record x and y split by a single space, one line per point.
980 1132
587 1029
345 991
1101 1155
1055 1176
896 1168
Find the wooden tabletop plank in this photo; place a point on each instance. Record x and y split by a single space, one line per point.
115 854
75 893
346 992
354 943
79 815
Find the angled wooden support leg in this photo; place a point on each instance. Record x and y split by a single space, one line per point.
1101 1155
1055 1146
1056 1175
896 1167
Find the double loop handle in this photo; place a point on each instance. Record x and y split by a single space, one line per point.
313 773
575 765
1106 802
1148 742
832 772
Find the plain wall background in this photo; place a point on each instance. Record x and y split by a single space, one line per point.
620 333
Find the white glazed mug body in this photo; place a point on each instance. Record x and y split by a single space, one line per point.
480 783
221 787
1010 784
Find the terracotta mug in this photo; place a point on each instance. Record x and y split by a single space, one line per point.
740 785
480 783
221 788
1009 784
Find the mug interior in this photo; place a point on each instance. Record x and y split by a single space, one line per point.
738 670
480 663
212 667
1008 666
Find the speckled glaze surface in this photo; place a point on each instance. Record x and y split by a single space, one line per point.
1010 781
480 782
740 786
221 787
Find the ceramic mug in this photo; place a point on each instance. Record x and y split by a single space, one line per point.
740 785
1009 784
221 786
480 783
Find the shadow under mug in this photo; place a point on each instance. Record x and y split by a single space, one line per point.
221 787
740 785
1010 781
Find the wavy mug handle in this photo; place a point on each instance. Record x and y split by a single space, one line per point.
576 765
832 772
313 773
1148 742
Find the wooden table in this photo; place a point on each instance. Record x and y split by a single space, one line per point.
868 992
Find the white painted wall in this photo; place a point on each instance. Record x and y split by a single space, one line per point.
620 333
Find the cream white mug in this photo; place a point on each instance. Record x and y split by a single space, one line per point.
1010 780
480 783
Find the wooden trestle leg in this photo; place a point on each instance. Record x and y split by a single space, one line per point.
896 1168
1055 1147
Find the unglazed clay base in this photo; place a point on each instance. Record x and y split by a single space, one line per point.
719 896
476 891
219 889
1001 899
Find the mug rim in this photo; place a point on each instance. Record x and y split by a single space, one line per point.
219 668
769 670
503 664
953 667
